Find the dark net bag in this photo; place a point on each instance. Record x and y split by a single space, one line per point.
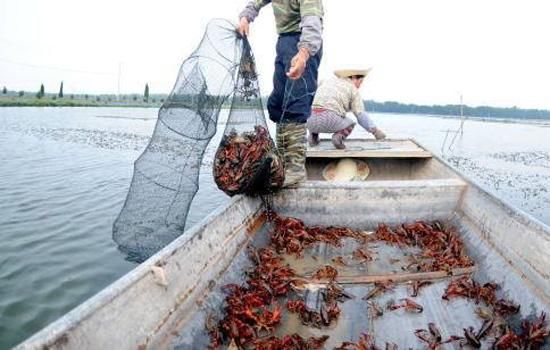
219 74
247 161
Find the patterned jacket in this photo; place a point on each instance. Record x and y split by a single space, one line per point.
293 16
339 95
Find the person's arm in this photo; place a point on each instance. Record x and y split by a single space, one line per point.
358 108
312 34
311 25
249 14
365 121
311 40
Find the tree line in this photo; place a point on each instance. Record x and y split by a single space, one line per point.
372 106
42 93
454 110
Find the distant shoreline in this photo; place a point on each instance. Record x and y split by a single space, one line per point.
530 121
28 99
74 103
156 101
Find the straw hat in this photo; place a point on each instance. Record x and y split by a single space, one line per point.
346 73
346 170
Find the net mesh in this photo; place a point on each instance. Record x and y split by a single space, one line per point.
246 160
220 73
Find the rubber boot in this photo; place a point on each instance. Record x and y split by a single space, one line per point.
291 143
313 139
339 137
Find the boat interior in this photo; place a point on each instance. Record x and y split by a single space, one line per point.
406 183
169 309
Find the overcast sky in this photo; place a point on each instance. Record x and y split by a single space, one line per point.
494 52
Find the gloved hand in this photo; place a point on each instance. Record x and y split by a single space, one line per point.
366 122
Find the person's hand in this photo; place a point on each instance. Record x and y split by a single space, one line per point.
298 64
244 27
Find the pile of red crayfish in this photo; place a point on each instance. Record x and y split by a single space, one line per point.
252 311
366 342
468 288
326 306
292 236
533 334
293 342
442 249
248 163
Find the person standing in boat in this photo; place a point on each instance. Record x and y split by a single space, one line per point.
299 52
336 97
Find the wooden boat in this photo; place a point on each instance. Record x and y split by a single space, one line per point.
163 303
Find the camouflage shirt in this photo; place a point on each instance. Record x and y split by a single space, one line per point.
292 16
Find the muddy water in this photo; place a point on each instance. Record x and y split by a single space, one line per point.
64 174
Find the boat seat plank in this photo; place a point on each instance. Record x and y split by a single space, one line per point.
359 148
389 262
399 277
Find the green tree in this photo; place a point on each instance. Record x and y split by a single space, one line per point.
146 93
86 96
134 98
40 93
21 93
60 95
4 90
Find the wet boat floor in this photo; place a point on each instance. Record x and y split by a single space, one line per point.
387 259
397 326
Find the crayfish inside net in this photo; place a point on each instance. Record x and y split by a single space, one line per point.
249 89
248 163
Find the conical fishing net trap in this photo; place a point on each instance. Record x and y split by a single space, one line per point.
219 74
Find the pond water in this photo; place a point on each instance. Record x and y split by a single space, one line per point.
64 174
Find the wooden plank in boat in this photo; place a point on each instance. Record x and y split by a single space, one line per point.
395 277
361 148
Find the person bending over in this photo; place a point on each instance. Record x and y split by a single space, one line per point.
335 97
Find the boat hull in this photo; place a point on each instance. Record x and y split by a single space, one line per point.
164 301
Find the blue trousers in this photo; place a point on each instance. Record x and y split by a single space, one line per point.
291 100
